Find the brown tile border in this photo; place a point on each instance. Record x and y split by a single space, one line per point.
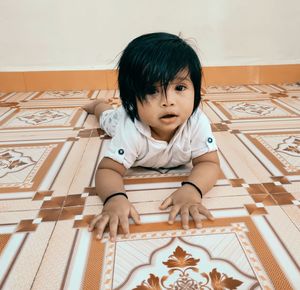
107 79
4 238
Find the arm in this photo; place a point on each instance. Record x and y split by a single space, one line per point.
109 180
205 172
186 199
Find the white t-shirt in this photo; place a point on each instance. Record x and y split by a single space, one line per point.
132 144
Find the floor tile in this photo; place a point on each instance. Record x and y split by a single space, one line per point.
49 151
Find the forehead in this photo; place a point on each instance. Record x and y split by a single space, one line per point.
183 75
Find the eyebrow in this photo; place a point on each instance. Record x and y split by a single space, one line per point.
181 79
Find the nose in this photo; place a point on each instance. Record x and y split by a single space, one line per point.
167 100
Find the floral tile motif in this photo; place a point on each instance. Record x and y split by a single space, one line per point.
71 95
281 149
182 270
42 118
229 89
24 167
251 109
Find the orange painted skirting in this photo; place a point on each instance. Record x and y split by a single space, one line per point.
265 74
107 79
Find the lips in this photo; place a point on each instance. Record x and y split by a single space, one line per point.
167 116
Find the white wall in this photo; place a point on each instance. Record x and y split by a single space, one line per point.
89 34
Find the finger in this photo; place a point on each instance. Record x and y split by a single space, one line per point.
101 225
173 213
94 221
166 203
185 217
206 212
135 215
113 227
124 225
196 216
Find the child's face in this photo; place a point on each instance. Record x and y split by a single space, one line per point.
164 113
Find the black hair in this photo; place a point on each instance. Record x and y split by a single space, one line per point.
155 58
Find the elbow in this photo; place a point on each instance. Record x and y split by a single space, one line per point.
109 164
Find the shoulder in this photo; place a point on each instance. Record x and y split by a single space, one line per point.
199 115
199 120
126 144
127 128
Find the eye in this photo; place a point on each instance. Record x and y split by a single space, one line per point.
180 88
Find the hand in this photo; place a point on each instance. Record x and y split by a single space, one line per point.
187 201
116 211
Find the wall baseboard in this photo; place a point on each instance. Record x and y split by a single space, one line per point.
107 79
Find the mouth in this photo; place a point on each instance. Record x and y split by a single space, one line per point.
168 116
169 119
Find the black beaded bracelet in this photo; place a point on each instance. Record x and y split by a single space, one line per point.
191 183
113 195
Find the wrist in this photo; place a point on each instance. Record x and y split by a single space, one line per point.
184 183
112 196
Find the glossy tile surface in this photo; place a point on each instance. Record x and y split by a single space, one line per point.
49 151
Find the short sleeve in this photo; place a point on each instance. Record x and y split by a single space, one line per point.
124 145
202 139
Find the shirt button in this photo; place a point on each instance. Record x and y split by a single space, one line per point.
209 140
121 151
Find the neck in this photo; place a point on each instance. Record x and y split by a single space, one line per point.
163 136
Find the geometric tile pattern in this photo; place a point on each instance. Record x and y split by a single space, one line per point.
49 151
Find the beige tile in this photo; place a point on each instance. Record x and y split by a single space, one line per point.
287 232
27 247
14 217
87 164
17 204
244 164
69 168
293 213
56 259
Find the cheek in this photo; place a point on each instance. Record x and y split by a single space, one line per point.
145 112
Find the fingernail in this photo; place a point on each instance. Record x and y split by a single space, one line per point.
170 222
185 227
98 237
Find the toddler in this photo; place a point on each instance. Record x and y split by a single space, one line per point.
159 125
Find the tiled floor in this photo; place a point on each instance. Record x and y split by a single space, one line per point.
49 151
